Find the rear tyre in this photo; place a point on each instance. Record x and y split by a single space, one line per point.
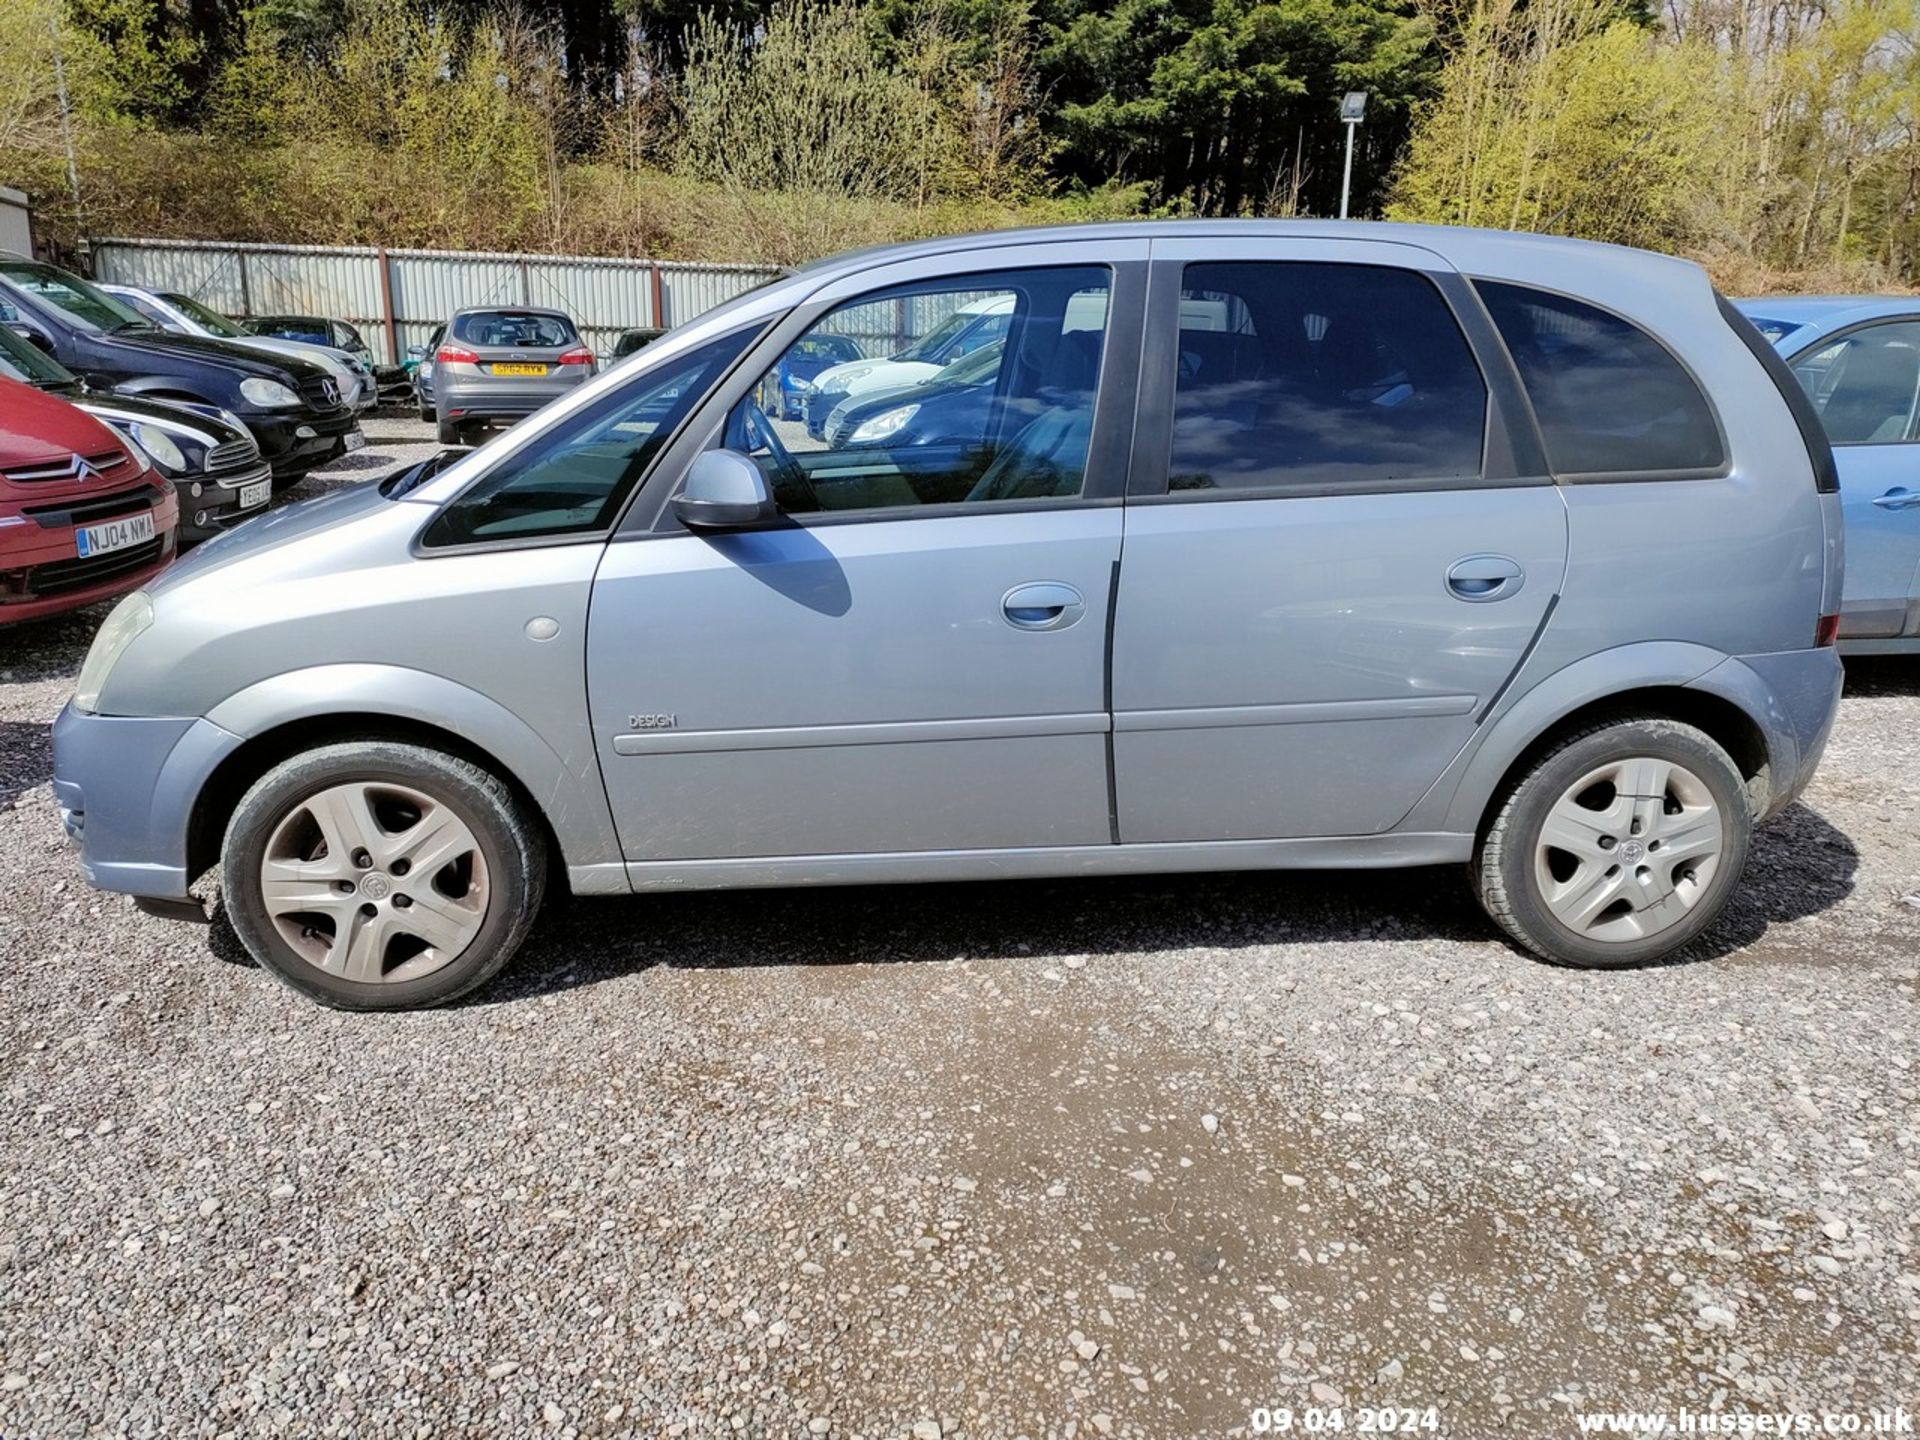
376 875
452 432
1618 846
427 414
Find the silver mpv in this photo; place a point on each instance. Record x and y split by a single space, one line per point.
1262 545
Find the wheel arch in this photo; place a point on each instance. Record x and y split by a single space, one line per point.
1689 683
327 704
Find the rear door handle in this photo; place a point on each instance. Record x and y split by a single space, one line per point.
1898 498
1485 577
1042 605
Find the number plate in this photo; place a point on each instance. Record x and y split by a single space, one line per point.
114 534
519 369
356 440
256 494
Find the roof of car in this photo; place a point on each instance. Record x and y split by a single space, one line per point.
509 310
1828 311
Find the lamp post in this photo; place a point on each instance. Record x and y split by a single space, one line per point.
1353 106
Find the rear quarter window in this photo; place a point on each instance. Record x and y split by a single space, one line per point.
1610 399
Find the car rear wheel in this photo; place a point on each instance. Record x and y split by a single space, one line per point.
452 432
376 875
1619 845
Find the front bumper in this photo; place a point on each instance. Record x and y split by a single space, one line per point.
126 787
217 507
291 452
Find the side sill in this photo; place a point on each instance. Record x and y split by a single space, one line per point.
1357 852
607 878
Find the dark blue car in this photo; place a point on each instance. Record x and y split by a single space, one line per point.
792 378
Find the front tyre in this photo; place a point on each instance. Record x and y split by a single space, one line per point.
377 875
1618 846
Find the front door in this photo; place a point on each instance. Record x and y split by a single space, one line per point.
913 658
1326 578
1866 386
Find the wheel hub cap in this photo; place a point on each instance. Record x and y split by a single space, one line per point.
1629 849
374 882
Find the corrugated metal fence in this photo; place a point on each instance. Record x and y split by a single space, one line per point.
396 297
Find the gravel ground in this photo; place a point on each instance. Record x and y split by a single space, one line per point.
1046 1159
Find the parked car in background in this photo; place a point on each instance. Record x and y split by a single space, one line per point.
973 323
792 380
82 515
183 315
498 364
422 356
392 382
1859 359
313 330
207 455
630 341
950 405
1510 552
292 408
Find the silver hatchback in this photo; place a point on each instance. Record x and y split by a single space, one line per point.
1263 545
495 365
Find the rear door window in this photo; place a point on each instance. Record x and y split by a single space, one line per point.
1609 397
514 329
1866 384
1299 374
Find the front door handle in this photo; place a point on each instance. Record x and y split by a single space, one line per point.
1898 498
1042 605
1485 577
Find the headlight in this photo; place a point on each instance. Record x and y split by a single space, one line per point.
798 385
131 616
883 425
157 443
267 394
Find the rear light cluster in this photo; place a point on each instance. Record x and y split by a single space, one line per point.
455 355
579 355
1826 631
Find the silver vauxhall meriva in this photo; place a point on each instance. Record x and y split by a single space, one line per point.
1259 545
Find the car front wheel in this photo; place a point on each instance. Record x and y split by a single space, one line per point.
377 875
1619 845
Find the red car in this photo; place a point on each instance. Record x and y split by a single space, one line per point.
82 516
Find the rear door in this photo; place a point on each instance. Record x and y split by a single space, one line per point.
1335 555
1865 383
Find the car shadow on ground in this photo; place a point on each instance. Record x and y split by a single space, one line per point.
1799 866
1897 675
26 758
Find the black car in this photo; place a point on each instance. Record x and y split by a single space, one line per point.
293 408
632 340
215 467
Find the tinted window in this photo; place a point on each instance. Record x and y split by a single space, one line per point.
1008 418
92 307
313 332
1306 374
1865 385
23 360
209 319
575 479
520 328
1609 397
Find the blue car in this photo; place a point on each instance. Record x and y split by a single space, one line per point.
1858 358
792 379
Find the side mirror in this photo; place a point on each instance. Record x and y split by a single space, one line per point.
724 491
416 352
40 338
